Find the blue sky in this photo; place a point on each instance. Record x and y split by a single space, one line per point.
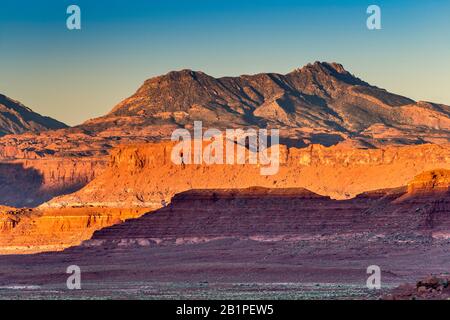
77 75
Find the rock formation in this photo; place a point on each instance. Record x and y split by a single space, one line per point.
263 214
430 181
255 242
321 103
147 176
26 231
30 182
16 118
433 287
260 214
363 179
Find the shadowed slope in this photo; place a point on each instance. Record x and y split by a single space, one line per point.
16 118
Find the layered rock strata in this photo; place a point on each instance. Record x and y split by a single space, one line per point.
25 231
148 177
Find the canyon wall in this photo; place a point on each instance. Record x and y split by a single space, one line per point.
256 240
256 213
289 215
147 176
25 231
30 182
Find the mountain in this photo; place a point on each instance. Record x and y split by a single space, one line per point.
319 103
15 118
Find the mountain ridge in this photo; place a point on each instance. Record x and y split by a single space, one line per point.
320 103
15 118
322 96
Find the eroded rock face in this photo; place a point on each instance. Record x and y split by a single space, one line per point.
321 103
292 214
31 182
257 214
430 181
147 176
254 235
218 237
25 231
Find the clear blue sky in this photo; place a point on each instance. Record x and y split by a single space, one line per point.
77 75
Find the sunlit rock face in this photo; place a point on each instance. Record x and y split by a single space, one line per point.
144 174
318 104
26 231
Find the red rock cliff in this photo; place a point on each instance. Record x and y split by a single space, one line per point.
144 175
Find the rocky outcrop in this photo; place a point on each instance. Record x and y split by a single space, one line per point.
37 163
147 176
29 183
50 163
25 231
259 214
430 181
254 242
321 103
293 214
433 287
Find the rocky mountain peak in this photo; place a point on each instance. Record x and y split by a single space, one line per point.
327 70
321 103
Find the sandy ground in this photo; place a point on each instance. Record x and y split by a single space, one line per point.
225 269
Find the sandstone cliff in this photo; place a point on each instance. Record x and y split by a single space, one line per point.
287 243
147 176
25 231
30 182
257 214
272 215
430 181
